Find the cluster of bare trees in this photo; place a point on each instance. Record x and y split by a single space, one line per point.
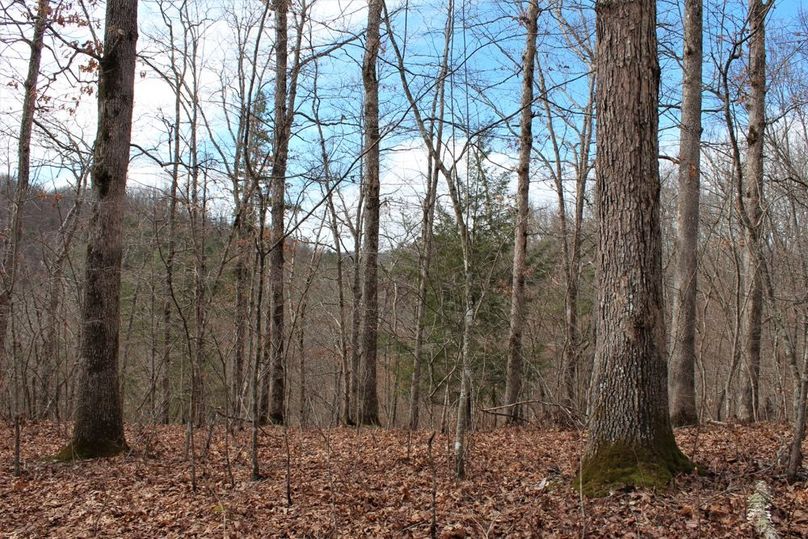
280 265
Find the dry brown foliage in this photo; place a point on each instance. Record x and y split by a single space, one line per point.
373 482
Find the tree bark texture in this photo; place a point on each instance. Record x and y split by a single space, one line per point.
630 440
277 375
369 408
513 379
683 357
753 209
98 429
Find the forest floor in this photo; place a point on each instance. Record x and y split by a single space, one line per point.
378 483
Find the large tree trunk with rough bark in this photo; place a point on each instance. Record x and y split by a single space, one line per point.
630 440
369 408
752 197
683 342
513 380
98 430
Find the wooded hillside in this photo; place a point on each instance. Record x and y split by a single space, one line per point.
311 235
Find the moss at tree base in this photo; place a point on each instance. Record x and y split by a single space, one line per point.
619 465
85 450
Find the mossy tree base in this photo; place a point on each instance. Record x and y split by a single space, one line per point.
619 466
82 451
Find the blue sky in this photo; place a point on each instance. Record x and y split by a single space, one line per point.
485 86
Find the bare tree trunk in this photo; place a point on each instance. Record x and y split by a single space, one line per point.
301 350
284 111
356 314
570 362
345 405
424 261
570 270
458 207
682 368
735 353
257 401
242 314
11 241
464 399
513 380
198 216
630 440
165 375
795 455
748 405
300 324
369 409
277 370
425 256
67 232
244 222
98 430
572 346
345 367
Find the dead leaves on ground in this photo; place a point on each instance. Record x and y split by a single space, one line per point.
378 483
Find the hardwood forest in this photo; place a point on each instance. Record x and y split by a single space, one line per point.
382 268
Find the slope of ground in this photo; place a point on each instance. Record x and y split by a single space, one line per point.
372 482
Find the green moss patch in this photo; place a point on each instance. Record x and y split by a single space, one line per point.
98 449
618 466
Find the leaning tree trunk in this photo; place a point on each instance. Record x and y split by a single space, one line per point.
569 353
630 440
424 262
683 358
369 408
753 212
12 240
513 380
98 430
345 402
573 339
427 223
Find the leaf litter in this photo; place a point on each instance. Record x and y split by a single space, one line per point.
347 482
